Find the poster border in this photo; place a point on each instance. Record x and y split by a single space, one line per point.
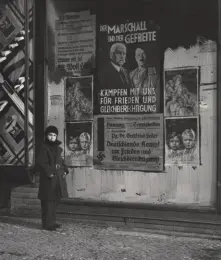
92 141
198 145
108 166
198 86
92 97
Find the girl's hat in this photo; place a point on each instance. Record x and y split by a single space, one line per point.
51 129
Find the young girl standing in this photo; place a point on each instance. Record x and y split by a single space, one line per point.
52 186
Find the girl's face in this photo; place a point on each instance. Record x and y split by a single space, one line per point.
174 143
188 142
84 143
73 144
52 137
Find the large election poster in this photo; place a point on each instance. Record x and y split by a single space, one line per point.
128 64
128 126
130 142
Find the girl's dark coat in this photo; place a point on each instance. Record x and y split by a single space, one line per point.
51 188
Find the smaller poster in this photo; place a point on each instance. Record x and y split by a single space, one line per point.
132 142
181 92
78 144
75 41
182 141
78 99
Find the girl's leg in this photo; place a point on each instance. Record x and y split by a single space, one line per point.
47 214
57 225
44 210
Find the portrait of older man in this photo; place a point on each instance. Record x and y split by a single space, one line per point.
114 75
144 75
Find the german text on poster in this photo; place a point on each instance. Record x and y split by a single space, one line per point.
75 41
128 68
132 142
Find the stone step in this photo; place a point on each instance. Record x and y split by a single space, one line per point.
168 226
24 189
24 195
24 202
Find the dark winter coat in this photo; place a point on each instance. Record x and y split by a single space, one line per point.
50 162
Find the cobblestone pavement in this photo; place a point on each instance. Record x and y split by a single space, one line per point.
22 238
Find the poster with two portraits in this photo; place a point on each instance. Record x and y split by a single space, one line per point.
181 116
128 123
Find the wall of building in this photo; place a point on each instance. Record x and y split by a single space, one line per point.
177 184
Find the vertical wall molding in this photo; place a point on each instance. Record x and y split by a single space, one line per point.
40 71
219 111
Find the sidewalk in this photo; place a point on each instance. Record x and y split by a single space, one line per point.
22 238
